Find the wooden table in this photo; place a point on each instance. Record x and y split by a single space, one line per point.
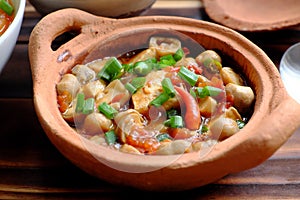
31 168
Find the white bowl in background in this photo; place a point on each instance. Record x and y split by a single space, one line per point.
9 38
105 8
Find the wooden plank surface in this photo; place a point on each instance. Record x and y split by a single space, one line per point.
32 168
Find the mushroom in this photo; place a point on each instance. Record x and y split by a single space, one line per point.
83 73
98 139
68 83
173 147
164 45
96 123
210 60
232 113
207 106
243 96
222 127
97 65
91 89
126 148
229 76
114 92
186 62
144 55
126 121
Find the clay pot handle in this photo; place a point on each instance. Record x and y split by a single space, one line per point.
57 23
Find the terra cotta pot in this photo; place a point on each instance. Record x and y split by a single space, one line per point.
275 116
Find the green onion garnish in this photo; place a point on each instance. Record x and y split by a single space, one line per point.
107 110
174 122
167 60
178 55
6 7
88 106
138 82
188 75
111 70
142 68
158 101
163 136
110 137
207 91
135 84
151 60
172 112
204 129
79 103
240 123
130 88
128 67
168 87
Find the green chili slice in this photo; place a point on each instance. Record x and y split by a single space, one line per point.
107 110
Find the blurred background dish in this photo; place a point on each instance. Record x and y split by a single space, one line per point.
254 15
290 70
106 8
9 37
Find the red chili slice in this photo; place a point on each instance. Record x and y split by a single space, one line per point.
192 116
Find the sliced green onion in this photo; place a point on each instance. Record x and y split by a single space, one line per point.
88 106
178 55
168 87
142 68
167 60
163 136
130 88
110 137
111 70
172 112
79 102
135 84
240 123
158 101
107 110
6 7
207 91
128 67
188 75
204 129
138 82
151 60
175 121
